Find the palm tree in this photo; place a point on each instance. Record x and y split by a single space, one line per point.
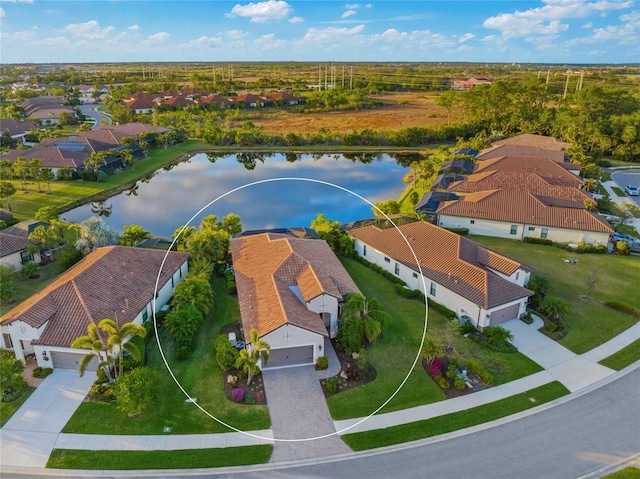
6 191
256 352
118 340
93 341
33 167
367 311
430 351
555 308
589 184
94 233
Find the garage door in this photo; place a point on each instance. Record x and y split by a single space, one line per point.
62 360
279 358
504 314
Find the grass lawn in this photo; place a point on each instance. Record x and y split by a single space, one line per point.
26 287
455 421
68 194
618 191
590 322
7 409
624 357
201 378
393 355
182 459
626 473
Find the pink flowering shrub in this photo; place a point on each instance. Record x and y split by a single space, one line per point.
435 368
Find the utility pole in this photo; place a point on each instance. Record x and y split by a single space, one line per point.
548 74
566 86
319 76
343 77
351 80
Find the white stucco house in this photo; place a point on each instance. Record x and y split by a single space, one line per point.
116 282
290 290
475 282
13 250
518 214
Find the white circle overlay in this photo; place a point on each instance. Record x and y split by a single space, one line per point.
251 434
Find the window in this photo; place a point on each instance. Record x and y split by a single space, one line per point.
473 222
387 260
145 315
397 269
7 341
415 275
364 250
532 228
514 229
543 233
25 257
517 275
432 291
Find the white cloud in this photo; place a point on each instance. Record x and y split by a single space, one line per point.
134 28
296 20
2 14
466 37
352 6
157 38
547 19
348 13
331 33
90 30
587 25
236 34
262 12
205 41
18 1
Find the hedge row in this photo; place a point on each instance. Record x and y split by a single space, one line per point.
582 248
623 308
380 270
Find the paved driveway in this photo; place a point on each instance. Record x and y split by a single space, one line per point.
299 414
29 436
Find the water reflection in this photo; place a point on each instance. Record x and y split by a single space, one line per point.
171 197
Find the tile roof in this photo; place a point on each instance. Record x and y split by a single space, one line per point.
274 271
17 127
552 171
520 151
10 244
51 157
540 141
451 260
525 180
525 208
111 281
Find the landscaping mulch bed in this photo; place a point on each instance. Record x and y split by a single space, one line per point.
451 392
255 389
351 376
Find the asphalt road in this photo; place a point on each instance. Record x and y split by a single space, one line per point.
628 177
570 440
89 109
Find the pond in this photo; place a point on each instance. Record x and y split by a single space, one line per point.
173 195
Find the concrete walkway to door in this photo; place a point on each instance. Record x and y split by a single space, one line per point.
299 414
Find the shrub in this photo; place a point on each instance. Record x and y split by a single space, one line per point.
182 352
101 177
40 372
460 384
138 391
259 397
543 241
102 392
332 385
249 399
443 383
467 328
623 308
443 310
460 231
322 362
231 287
226 353
435 368
474 367
9 396
362 361
452 371
238 394
231 379
101 376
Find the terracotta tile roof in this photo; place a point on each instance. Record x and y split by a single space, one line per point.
539 141
521 152
552 171
455 262
276 273
10 244
111 281
525 180
525 208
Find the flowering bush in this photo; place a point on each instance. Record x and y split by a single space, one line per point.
231 379
435 368
259 397
238 395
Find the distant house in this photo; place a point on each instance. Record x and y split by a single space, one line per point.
251 100
478 284
46 109
290 290
284 98
468 83
13 250
548 168
518 214
463 167
534 141
17 129
430 201
114 281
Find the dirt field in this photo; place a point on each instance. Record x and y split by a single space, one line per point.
400 110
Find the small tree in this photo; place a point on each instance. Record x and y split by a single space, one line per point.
11 368
138 391
195 291
592 279
248 360
498 335
430 351
555 308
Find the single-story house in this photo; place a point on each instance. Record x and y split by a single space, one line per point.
535 141
480 285
431 200
17 129
463 167
468 83
290 290
547 168
13 250
518 214
117 282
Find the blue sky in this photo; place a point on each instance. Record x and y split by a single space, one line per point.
547 31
